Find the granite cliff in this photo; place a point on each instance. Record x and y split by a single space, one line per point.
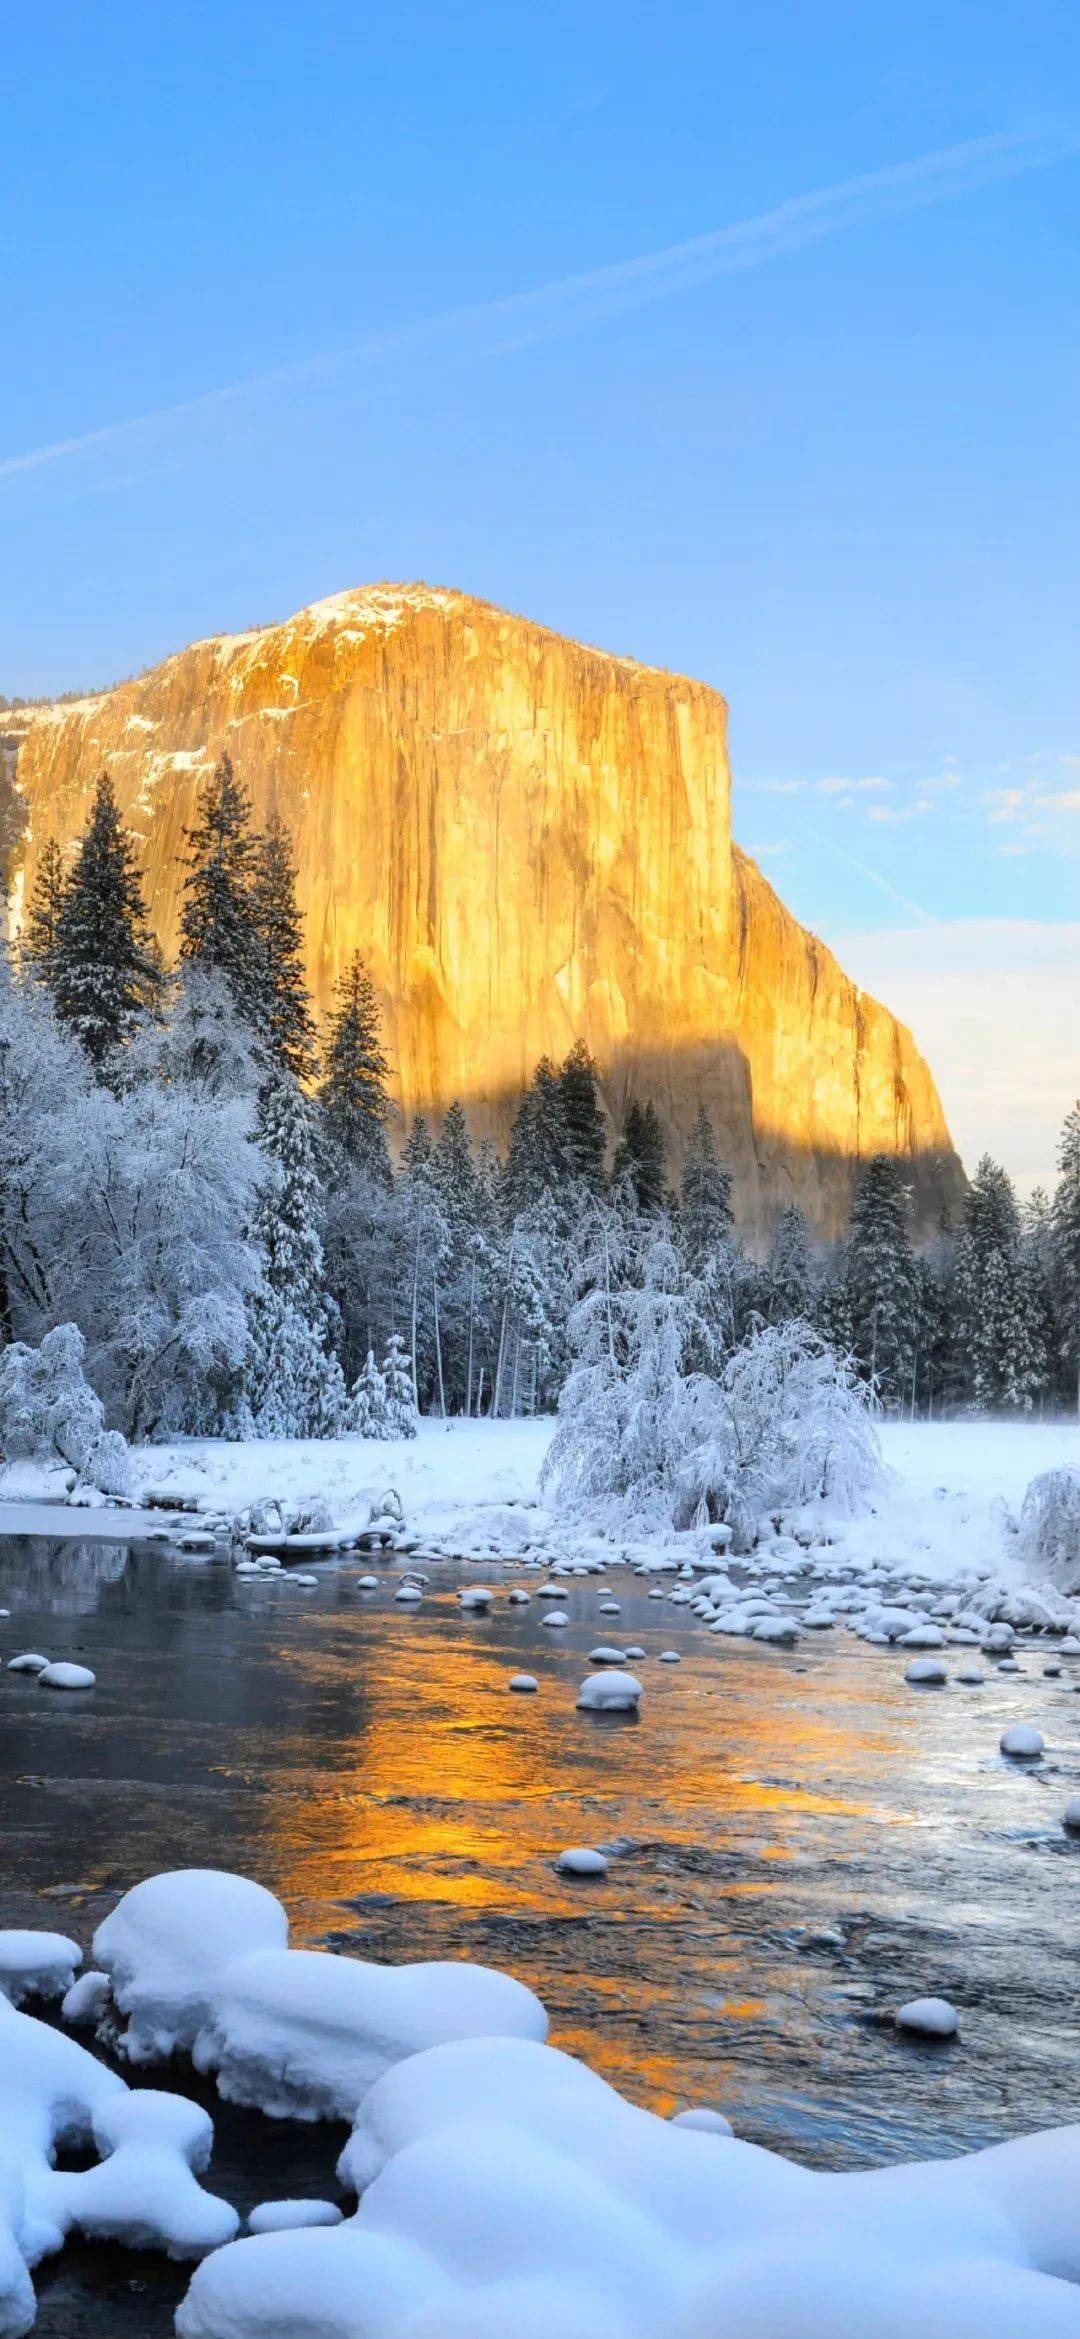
530 840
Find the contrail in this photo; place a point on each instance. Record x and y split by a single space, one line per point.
550 309
874 875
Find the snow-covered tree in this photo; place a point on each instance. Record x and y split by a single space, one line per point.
353 1097
1001 1332
103 968
158 1260
639 1157
620 1435
789 1422
38 938
705 1212
49 1412
583 1119
1050 1528
538 1159
295 1385
368 1414
879 1278
219 925
202 1039
1065 1214
789 1280
423 1245
287 1026
45 1090
399 1382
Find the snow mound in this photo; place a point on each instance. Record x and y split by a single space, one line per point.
143 2190
64 1676
505 2188
198 1961
36 1965
166 1946
610 1693
303 2034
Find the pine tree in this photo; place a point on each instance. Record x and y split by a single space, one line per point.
705 1211
367 1403
639 1157
991 1212
789 1273
538 1159
586 1140
287 1026
880 1278
424 1244
353 1097
295 1383
104 970
398 1378
43 912
219 926
1065 1218
1001 1338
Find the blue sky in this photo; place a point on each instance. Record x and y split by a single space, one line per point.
295 294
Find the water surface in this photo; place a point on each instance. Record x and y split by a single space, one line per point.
800 1842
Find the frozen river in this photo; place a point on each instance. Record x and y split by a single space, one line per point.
800 1842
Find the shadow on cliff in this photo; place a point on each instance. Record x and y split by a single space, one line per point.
771 1166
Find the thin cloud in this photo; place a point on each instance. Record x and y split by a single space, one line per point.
491 327
896 814
874 875
867 787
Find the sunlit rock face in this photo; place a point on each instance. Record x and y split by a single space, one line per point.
531 842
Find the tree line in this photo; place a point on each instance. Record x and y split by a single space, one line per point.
203 1183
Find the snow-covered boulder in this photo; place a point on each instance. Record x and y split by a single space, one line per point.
143 2190
65 1676
507 2190
302 2033
929 2018
581 1860
168 1942
1022 1742
926 1673
610 1693
36 1965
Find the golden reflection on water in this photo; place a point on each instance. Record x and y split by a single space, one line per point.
441 1790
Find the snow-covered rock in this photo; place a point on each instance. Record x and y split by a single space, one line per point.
303 2033
929 2018
926 1673
610 1693
36 1965
579 1860
1022 1742
507 2190
65 1676
168 1942
292 2216
86 2000
523 1682
143 2190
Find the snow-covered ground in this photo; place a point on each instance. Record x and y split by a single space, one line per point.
953 1485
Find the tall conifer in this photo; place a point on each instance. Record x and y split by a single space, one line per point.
104 967
219 926
286 1024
